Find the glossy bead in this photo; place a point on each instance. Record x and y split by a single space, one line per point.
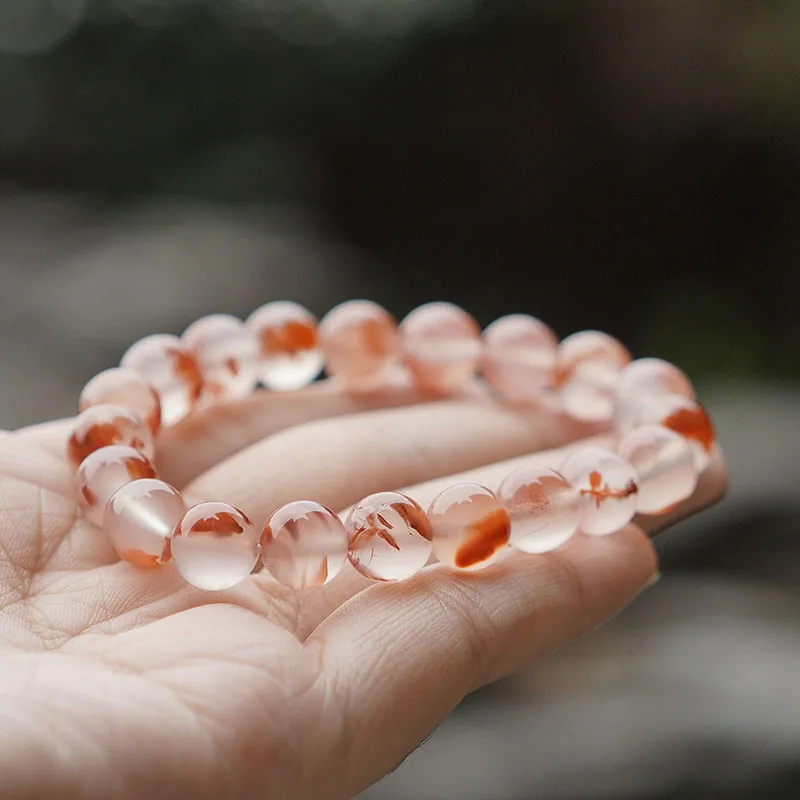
607 487
588 367
359 341
215 546
290 357
470 526
104 471
106 424
304 545
441 346
544 508
168 366
684 416
123 387
642 380
140 518
390 536
664 467
519 358
226 353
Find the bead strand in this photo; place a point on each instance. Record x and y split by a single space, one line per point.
664 441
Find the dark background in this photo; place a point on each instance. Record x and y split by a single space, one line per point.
631 166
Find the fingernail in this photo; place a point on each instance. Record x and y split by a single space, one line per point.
656 577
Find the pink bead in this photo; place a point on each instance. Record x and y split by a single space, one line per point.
168 366
359 340
607 487
441 346
226 353
588 367
519 358
290 357
304 545
470 526
390 537
684 416
123 387
140 518
215 546
664 466
106 424
544 508
640 381
103 472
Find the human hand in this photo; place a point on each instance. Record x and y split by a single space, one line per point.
116 682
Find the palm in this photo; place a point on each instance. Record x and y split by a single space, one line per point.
144 684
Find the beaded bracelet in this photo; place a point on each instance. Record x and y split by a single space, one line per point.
664 442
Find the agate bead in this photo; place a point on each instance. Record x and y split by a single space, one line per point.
544 508
140 518
470 526
390 536
123 387
304 545
441 346
104 471
106 424
215 546
289 353
607 488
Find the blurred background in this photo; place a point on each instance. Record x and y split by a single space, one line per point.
614 164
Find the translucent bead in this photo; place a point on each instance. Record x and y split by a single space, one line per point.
664 466
607 488
106 424
684 416
640 381
519 358
390 537
304 545
290 357
441 346
360 342
103 472
226 353
139 519
544 508
470 526
588 367
123 387
168 366
215 546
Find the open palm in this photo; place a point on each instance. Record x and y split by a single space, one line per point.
116 682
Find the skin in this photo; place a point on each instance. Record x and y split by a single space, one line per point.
122 683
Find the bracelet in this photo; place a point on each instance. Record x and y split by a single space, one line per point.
664 442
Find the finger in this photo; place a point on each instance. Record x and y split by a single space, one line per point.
398 657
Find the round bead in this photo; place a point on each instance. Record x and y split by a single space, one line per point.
519 358
215 546
104 471
441 346
470 526
664 466
290 357
607 488
544 508
168 366
106 424
123 387
684 416
588 366
304 545
359 341
139 519
642 380
390 537
226 353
